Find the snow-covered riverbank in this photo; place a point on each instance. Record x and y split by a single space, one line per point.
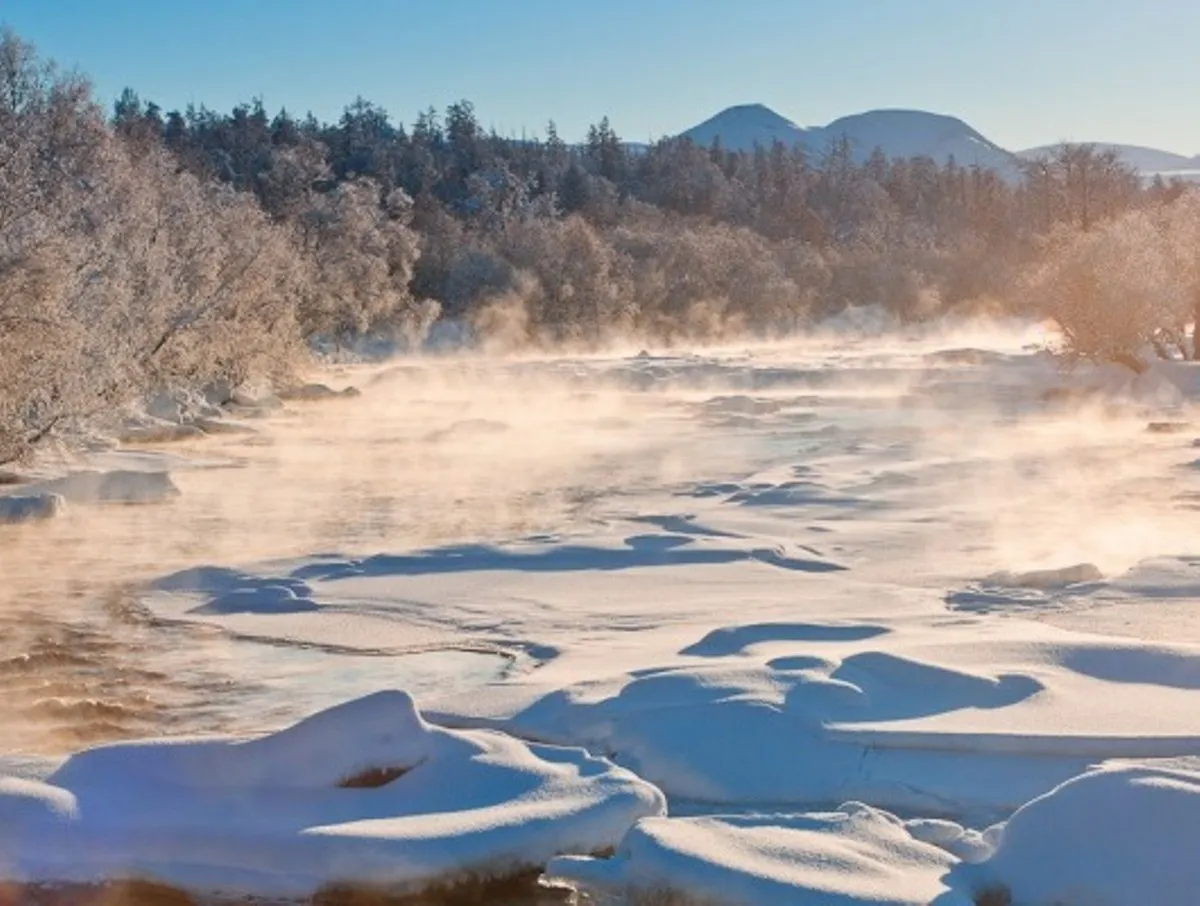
848 604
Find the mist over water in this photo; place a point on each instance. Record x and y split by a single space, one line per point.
961 469
432 453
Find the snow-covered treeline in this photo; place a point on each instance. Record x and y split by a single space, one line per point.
149 250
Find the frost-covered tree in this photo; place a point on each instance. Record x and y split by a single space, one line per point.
159 249
1127 288
118 273
362 253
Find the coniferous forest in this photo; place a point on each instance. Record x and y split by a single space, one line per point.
144 249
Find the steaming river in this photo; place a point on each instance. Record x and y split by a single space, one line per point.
429 455
471 451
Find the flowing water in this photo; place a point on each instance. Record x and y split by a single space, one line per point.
468 450
430 454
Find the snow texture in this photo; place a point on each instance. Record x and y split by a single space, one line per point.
271 817
935 575
1120 836
856 855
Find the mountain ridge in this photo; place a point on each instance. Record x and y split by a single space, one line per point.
897 132
904 132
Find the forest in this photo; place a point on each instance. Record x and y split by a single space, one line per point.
144 250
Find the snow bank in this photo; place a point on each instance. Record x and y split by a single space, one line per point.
1119 836
367 792
854 855
122 486
18 508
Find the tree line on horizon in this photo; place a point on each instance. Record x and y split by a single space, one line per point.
144 249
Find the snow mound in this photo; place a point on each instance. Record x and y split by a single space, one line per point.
854 855
1157 577
16 508
961 842
1035 590
683 728
261 598
969 726
224 591
367 792
1119 836
121 486
1047 579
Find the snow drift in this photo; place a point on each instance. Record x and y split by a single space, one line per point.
1120 836
854 855
367 792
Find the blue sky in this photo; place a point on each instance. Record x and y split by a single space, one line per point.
1024 72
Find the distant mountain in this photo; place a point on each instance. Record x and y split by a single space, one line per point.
913 133
898 133
742 127
1147 161
909 133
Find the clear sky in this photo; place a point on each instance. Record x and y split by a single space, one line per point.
1023 72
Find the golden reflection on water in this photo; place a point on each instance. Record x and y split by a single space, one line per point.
427 456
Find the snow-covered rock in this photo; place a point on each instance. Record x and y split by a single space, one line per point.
367 792
218 393
118 486
168 407
309 393
181 407
17 508
1119 836
854 855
